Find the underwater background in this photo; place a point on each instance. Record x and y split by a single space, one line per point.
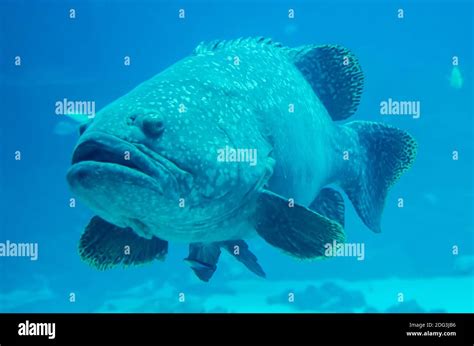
426 249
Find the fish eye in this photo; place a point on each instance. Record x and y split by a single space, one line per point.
83 127
153 127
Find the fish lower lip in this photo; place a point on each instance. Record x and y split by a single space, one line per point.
110 149
173 167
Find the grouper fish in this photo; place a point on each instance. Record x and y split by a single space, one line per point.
150 164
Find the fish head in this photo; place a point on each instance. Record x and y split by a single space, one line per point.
146 163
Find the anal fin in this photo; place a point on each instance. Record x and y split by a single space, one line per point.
329 203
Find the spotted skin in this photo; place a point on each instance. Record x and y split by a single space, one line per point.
246 93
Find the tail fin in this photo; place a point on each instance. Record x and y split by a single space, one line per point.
387 153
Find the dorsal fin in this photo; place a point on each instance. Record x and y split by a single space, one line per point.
206 47
334 74
332 71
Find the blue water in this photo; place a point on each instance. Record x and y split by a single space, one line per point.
82 59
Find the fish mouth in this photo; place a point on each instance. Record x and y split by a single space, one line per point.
103 148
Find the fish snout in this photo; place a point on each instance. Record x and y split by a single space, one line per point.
150 124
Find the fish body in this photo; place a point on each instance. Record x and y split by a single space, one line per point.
152 162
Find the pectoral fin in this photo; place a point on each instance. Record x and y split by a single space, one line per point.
296 230
104 245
